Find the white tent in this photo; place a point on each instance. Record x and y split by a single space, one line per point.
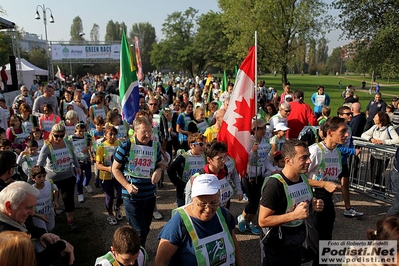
29 71
38 71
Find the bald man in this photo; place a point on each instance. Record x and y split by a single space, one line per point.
212 131
358 120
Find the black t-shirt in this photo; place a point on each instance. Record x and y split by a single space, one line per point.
192 126
273 194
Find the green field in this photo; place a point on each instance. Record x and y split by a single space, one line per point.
309 85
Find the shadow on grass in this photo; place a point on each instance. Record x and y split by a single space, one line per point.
87 241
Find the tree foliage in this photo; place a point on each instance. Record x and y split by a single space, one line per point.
76 30
113 31
210 43
192 43
5 47
177 49
37 56
146 35
95 33
278 23
334 60
377 23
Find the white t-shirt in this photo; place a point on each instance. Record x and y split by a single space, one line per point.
81 113
327 166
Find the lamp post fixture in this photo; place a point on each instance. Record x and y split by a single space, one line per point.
51 20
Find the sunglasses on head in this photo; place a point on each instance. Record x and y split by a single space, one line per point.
80 125
56 136
198 143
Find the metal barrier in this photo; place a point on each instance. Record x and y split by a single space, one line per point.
370 170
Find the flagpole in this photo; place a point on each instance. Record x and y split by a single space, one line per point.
256 74
256 102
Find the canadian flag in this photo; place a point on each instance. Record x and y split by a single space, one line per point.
236 126
59 74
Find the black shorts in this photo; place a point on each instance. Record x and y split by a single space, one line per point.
345 171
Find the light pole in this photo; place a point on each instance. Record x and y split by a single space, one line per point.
37 16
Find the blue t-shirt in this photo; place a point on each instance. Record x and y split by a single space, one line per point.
173 233
87 97
146 189
182 123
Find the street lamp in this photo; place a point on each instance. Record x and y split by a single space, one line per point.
37 16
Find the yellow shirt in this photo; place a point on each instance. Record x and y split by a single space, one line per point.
100 157
211 133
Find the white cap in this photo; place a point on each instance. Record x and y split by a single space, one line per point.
205 184
281 126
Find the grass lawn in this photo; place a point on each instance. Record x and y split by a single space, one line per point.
309 85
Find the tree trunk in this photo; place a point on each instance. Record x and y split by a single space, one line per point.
284 76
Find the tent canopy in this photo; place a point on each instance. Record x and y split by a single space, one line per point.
29 71
38 71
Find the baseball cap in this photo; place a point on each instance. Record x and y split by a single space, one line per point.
281 126
258 123
205 184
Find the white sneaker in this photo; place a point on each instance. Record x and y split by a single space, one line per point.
352 213
157 215
81 198
245 198
89 189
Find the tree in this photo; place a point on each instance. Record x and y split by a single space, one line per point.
210 43
322 51
38 57
146 35
278 23
300 61
95 33
113 31
334 60
77 30
312 57
193 43
377 23
5 47
176 50
110 31
122 27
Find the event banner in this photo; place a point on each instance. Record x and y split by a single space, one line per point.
97 51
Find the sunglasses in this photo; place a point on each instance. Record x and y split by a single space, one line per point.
80 125
198 143
56 136
203 205
287 111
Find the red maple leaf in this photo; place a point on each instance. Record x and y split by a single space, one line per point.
247 111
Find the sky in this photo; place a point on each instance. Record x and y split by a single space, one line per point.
22 13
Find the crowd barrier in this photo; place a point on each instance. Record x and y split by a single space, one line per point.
370 170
